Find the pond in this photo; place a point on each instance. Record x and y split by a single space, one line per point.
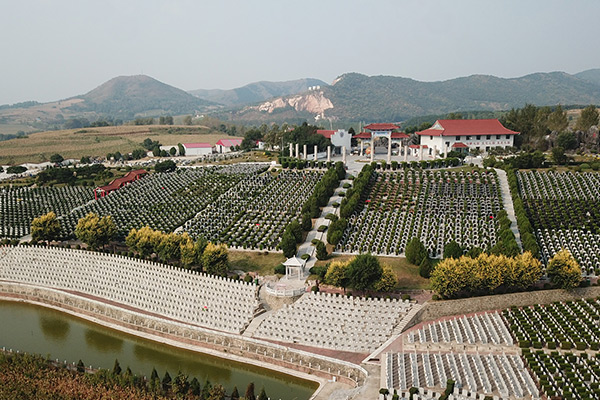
34 329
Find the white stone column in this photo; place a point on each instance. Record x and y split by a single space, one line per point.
420 152
315 155
297 150
405 146
372 150
362 148
328 153
434 151
344 155
291 150
304 156
389 155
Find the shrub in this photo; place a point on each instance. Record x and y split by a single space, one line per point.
320 271
566 345
280 269
321 253
415 251
322 228
524 344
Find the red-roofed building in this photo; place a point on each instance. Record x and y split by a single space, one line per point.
225 145
197 149
118 183
481 134
381 130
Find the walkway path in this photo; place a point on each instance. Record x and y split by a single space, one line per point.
508 204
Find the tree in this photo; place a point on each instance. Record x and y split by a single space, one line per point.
588 118
364 271
235 395
195 388
306 222
116 368
216 393
191 252
215 259
388 280
262 395
85 160
415 251
187 120
425 267
288 244
249 395
557 120
165 166
172 151
95 231
296 230
337 275
16 169
45 227
563 270
181 149
558 155
321 251
452 249
567 140
166 382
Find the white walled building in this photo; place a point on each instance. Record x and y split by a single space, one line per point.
197 149
340 138
457 134
225 145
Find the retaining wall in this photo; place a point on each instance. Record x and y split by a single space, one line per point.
226 345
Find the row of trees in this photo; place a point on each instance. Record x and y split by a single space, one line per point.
93 230
179 249
484 274
363 272
525 228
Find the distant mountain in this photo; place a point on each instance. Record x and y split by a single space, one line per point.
591 75
256 92
130 96
357 97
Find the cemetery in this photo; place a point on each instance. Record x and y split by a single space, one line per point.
436 206
563 210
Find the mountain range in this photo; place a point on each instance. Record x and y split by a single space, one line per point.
351 97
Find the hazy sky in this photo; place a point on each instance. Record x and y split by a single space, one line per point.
54 49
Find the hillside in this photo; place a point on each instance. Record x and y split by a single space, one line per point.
256 92
356 97
130 96
591 75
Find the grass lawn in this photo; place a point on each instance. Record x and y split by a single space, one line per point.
254 261
408 274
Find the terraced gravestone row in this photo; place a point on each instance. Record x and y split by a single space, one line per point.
164 201
564 210
435 206
19 206
254 212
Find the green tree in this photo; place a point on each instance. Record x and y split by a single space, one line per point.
587 119
56 158
306 222
415 251
296 230
95 231
567 140
216 393
85 160
288 244
154 380
172 151
116 368
563 270
235 394
321 251
557 120
262 395
215 259
195 387
187 120
181 149
364 271
180 385
558 155
45 227
166 382
425 267
452 249
165 166
16 169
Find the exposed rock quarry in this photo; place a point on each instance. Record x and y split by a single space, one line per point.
313 102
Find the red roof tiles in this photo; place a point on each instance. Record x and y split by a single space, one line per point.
381 127
459 127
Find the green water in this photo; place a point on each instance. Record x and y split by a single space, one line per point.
34 329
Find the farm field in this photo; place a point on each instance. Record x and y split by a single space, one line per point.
75 143
564 210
